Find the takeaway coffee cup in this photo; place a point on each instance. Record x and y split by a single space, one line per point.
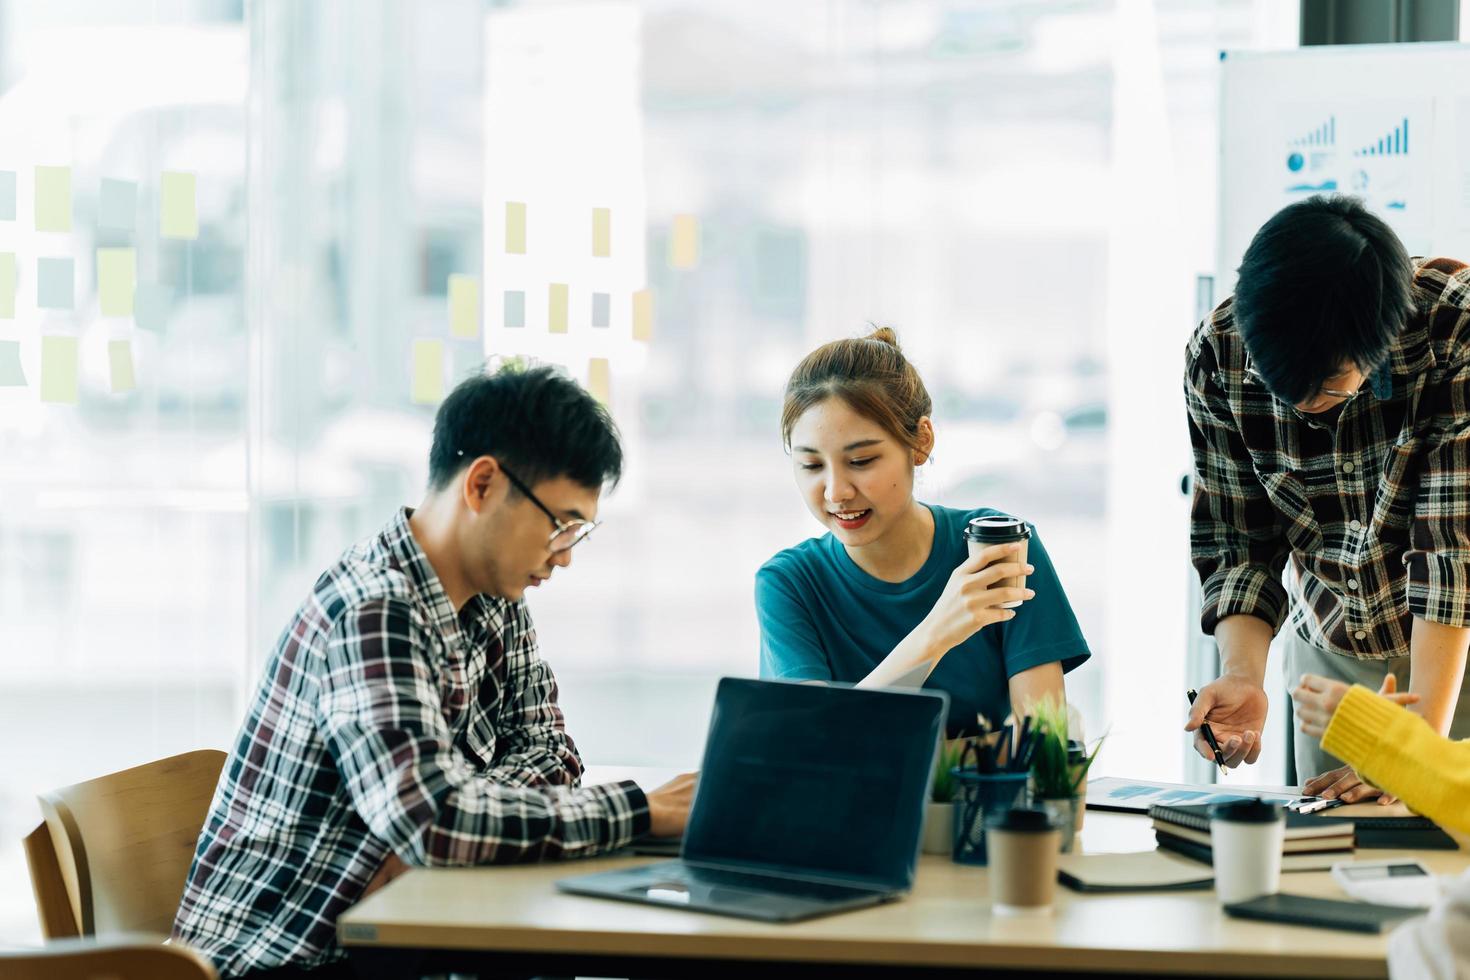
1023 847
1246 839
983 532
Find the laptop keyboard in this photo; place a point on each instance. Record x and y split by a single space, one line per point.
769 884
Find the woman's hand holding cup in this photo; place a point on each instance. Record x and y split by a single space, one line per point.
977 594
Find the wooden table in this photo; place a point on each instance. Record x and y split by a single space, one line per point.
513 919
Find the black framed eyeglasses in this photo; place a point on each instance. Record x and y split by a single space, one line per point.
565 535
1346 396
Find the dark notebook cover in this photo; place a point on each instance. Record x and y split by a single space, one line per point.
1297 824
1401 834
1321 913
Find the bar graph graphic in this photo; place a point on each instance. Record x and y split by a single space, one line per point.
1393 143
1322 137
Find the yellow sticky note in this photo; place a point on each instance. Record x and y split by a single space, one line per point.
684 244
601 233
428 372
53 199
59 370
515 227
178 216
120 359
464 306
7 285
557 303
643 314
117 274
599 379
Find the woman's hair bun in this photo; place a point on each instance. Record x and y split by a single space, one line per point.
884 335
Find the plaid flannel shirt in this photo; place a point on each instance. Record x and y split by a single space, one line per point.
386 724
1370 515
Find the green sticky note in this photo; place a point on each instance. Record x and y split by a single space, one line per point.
7 285
601 233
59 370
120 359
177 214
464 306
53 199
515 227
428 372
12 375
557 303
117 204
117 273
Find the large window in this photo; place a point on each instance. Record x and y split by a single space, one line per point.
762 177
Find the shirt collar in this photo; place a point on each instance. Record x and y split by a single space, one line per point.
404 547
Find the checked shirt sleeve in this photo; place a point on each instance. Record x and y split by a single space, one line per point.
1438 557
534 747
381 718
1236 542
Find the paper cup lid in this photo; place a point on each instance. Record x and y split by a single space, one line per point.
997 528
1247 811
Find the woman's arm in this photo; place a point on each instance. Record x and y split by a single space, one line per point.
971 601
1036 684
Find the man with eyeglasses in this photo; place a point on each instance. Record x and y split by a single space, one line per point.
1329 411
405 716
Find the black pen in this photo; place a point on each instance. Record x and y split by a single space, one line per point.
1209 735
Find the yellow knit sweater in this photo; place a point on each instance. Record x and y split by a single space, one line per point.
1397 751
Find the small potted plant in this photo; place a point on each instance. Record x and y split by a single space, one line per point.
939 813
1057 776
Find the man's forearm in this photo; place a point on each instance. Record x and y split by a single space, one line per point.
1244 643
1436 670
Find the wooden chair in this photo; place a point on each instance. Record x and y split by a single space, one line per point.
119 958
120 846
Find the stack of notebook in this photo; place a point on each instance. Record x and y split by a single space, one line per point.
1312 843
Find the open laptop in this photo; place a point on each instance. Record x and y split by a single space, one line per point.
810 801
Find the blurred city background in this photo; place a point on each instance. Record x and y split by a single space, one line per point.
952 168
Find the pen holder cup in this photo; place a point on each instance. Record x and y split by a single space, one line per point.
977 795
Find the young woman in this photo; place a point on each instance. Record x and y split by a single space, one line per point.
889 594
1398 752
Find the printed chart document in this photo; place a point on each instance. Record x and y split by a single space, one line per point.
1137 795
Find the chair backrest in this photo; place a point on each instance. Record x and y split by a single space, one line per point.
120 958
124 842
53 902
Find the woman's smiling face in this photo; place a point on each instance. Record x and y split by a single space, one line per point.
855 477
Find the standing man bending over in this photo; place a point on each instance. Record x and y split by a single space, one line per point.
405 716
1329 408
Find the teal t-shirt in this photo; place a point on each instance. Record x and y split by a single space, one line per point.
823 618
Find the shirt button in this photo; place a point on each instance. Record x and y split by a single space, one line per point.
1353 584
1347 467
1360 635
1356 525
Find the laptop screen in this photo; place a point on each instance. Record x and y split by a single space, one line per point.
816 779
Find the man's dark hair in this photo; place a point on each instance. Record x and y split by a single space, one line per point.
1324 282
535 421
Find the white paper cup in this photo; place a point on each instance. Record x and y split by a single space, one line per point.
1246 838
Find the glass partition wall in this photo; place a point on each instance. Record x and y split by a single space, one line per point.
290 227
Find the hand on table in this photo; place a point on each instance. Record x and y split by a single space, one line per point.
1316 700
668 806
